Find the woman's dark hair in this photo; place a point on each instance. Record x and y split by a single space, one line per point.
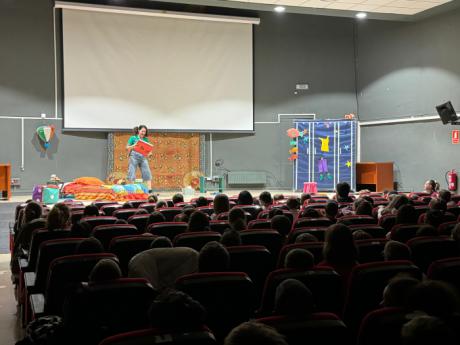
89 245
245 198
32 211
434 185
299 259
339 246
105 270
396 202
156 217
275 211
201 201
90 210
293 203
221 204
214 257
198 221
152 198
406 215
235 214
58 217
177 198
230 238
282 224
173 310
343 189
161 242
364 208
293 298
138 128
332 208
265 198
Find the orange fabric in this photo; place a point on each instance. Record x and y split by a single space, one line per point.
174 155
91 181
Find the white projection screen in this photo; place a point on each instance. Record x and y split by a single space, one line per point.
174 74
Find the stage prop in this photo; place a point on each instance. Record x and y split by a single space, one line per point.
45 134
324 152
376 177
174 155
5 180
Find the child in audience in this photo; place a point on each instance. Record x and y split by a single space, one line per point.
231 238
58 218
293 299
342 192
254 333
306 237
237 219
201 201
406 215
89 245
393 206
299 259
221 205
156 217
198 221
265 199
282 224
431 187
214 257
331 210
177 198
397 291
105 270
245 198
395 250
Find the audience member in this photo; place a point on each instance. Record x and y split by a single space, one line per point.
161 242
426 230
342 192
177 198
282 224
431 187
361 235
254 333
198 221
293 299
266 200
153 198
89 245
395 250
393 206
214 257
201 201
434 217
161 204
332 209
310 212
237 219
427 330
90 211
156 217
299 259
275 211
364 208
446 196
105 270
80 229
303 198
58 218
406 214
245 198
397 291
221 205
231 238
306 237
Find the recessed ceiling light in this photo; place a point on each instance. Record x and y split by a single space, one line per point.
280 9
361 15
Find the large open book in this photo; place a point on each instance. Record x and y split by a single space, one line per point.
144 148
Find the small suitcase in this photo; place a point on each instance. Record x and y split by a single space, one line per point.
37 193
50 195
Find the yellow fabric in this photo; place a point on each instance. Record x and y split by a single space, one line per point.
324 144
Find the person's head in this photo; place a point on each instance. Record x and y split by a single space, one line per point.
252 332
293 298
58 217
430 186
161 204
175 310
89 245
156 217
177 198
397 291
445 195
152 198
127 205
434 297
361 235
141 131
161 242
265 199
306 237
221 203
455 235
121 221
198 221
339 246
299 259
236 214
427 330
293 203
406 215
275 211
438 204
201 201
426 230
332 208
397 201
310 212
214 257
278 197
395 250
368 199
80 229
282 224
245 198
342 190
434 217
304 197
364 208
33 210
230 238
105 270
238 225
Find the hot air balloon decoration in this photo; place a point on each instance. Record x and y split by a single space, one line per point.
45 134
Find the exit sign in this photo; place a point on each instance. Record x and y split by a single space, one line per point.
455 136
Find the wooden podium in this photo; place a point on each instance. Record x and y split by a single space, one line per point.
375 176
5 180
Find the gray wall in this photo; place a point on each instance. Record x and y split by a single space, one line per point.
406 69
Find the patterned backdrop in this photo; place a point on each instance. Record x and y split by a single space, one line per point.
174 155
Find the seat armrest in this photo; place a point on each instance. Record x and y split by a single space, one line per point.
29 280
37 305
23 264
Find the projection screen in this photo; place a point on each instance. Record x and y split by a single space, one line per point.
174 74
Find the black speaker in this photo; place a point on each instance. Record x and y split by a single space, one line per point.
447 113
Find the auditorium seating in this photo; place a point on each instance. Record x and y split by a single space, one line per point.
356 219
447 270
318 232
125 247
270 239
148 206
98 220
109 209
105 233
124 213
170 212
140 221
427 249
195 240
136 203
311 222
316 248
403 232
168 229
382 327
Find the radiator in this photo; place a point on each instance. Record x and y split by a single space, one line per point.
246 177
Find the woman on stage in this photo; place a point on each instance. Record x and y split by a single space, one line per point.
136 159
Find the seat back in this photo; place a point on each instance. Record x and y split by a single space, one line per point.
48 251
403 232
253 210
100 203
98 310
140 221
99 220
316 248
76 216
376 231
356 219
324 283
125 247
270 239
124 213
318 232
168 229
196 240
370 250
366 285
148 206
317 329
219 225
259 224
228 297
255 261
447 270
137 203
155 336
105 233
387 221
206 209
109 209
427 249
38 237
382 327
446 228
63 276
170 212
312 222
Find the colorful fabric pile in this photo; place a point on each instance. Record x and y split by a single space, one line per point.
91 188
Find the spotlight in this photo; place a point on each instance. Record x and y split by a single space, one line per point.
280 9
361 15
